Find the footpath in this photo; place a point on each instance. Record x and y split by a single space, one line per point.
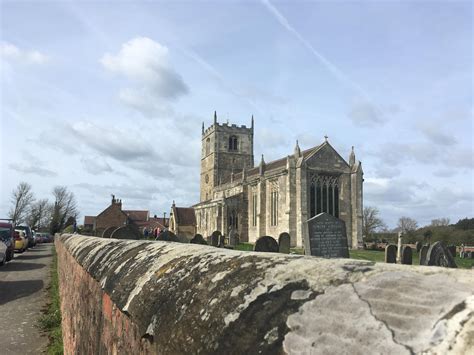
23 294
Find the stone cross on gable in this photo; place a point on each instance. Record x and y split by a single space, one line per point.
326 137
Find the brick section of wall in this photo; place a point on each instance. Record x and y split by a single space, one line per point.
91 322
137 297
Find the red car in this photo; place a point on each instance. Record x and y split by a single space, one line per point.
7 235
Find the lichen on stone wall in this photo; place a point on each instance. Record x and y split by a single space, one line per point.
187 298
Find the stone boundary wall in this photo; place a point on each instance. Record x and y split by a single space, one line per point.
144 297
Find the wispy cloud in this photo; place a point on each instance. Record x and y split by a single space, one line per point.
30 169
331 67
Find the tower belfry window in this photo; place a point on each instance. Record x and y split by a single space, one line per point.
208 146
233 143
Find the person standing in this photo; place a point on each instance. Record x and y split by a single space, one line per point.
461 251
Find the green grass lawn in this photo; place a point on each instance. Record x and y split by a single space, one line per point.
379 257
370 255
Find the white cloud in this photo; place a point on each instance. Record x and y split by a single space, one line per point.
95 165
14 54
27 168
365 114
437 134
148 64
119 144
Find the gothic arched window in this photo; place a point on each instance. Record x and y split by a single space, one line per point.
233 143
324 195
233 219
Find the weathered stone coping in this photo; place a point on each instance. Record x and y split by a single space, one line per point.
188 298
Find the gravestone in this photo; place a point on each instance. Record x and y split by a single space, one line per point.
418 246
215 238
198 239
167 236
423 253
326 237
439 255
399 247
407 255
221 243
452 250
391 254
266 244
129 231
182 239
233 238
284 243
108 232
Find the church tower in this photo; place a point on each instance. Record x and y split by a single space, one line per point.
226 149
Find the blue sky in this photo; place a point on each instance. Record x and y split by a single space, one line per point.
109 97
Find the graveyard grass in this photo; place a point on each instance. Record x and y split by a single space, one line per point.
379 257
370 255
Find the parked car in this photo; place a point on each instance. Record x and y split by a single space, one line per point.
7 236
29 235
3 253
47 238
39 238
21 242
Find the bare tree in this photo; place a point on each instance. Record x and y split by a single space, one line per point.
21 199
39 214
407 224
65 206
371 221
438 222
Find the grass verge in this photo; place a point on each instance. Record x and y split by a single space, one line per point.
50 321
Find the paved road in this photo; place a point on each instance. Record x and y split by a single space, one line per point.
23 295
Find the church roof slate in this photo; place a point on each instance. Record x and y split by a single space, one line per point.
184 216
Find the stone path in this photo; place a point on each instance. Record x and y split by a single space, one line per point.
23 295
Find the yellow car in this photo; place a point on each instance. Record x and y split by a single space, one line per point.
21 242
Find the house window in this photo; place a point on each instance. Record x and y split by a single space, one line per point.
274 208
254 209
233 143
324 195
208 146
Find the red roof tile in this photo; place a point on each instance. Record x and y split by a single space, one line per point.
136 216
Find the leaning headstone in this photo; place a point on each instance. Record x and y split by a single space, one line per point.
407 255
233 238
326 237
391 254
198 239
108 232
438 255
418 246
215 238
423 252
129 231
266 244
284 243
452 250
167 236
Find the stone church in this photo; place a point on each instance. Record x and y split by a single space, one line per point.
274 197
